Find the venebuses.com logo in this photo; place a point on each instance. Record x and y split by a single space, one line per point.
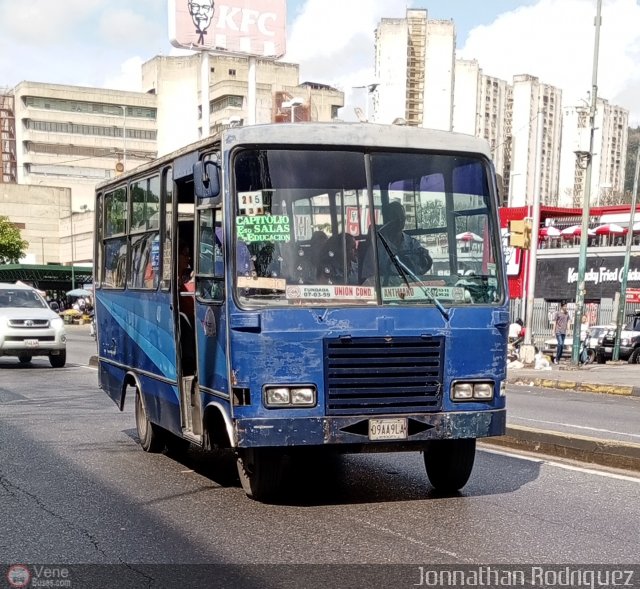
18 576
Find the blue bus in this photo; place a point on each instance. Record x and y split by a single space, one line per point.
291 288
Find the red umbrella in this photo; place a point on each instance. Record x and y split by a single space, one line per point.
575 231
468 236
549 231
610 229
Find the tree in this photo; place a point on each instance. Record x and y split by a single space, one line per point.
632 152
12 246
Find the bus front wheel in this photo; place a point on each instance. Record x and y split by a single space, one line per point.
449 463
149 434
260 472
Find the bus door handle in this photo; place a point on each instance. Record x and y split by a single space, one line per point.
246 322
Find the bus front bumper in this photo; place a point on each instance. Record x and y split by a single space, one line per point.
354 430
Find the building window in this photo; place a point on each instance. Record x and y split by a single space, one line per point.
232 72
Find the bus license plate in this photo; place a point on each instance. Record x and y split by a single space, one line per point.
31 343
388 429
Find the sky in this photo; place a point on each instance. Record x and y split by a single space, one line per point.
102 43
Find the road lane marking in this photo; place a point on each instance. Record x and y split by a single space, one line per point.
402 536
593 429
602 473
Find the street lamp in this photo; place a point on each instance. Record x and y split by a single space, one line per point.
582 260
292 105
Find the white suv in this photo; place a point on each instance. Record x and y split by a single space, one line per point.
28 327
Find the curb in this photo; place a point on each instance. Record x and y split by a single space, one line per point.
610 453
572 385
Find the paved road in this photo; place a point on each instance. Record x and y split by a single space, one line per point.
608 417
76 487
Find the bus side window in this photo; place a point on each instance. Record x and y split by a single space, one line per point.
210 271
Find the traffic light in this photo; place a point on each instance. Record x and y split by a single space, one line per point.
520 233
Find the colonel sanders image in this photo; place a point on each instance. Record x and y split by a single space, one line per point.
201 12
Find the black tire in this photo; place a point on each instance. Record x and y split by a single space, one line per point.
600 359
151 436
260 471
59 360
24 359
590 356
635 357
449 463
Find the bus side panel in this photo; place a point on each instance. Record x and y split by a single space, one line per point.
162 403
135 330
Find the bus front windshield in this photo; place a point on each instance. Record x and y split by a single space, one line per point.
338 227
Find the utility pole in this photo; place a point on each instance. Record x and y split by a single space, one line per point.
529 348
627 255
584 237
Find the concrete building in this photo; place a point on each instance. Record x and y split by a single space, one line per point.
75 136
176 81
480 107
43 216
529 99
608 170
414 67
8 162
62 140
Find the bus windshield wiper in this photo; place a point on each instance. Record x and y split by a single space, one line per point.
405 272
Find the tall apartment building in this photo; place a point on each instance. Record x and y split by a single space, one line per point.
75 136
414 66
609 154
8 163
527 100
177 83
479 105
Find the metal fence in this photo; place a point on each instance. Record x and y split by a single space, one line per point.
602 313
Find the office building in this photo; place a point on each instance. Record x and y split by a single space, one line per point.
527 100
414 68
480 107
75 136
609 155
176 81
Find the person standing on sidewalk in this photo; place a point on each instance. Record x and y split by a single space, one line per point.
560 324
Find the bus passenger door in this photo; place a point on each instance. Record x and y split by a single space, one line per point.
210 317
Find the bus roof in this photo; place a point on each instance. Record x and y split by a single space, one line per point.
336 134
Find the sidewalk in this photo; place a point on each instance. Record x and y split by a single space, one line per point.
612 378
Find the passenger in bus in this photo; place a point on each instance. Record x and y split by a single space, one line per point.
186 284
331 267
309 257
407 248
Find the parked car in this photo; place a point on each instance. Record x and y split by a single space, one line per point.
29 327
595 334
629 342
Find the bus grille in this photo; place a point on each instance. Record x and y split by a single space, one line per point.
383 375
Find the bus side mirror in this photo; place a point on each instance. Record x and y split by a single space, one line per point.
206 180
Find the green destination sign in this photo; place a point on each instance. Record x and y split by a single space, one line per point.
263 228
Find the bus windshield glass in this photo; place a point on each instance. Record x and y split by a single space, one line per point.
336 227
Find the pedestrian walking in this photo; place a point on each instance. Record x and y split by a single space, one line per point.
560 325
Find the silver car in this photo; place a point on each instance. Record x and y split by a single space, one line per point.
595 332
28 327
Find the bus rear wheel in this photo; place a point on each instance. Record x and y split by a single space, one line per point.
449 463
260 471
150 435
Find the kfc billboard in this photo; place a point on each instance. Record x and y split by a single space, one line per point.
250 27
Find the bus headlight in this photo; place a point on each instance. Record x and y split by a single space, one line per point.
295 396
472 391
277 397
